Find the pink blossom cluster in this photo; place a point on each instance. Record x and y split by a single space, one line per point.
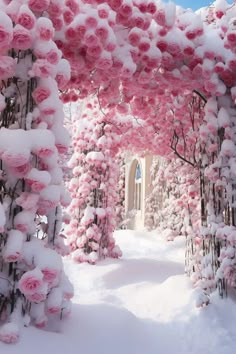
143 61
32 138
152 50
174 201
218 164
46 280
93 188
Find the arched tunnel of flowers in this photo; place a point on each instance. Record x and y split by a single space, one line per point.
143 76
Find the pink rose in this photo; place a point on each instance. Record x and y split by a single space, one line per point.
49 274
90 39
62 149
80 30
38 5
45 30
68 16
31 282
20 171
116 4
22 227
68 295
104 63
144 45
42 68
95 51
40 94
53 309
55 9
190 34
103 12
72 4
27 200
102 32
36 186
43 152
111 46
231 36
6 29
137 21
37 297
61 81
38 180
160 17
57 23
9 333
15 158
126 10
53 56
134 37
71 33
25 17
151 7
47 111
22 38
7 67
45 205
5 37
91 22
13 257
41 322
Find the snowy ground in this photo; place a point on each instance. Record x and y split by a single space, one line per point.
140 304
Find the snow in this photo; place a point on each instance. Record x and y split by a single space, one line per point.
2 217
12 251
139 304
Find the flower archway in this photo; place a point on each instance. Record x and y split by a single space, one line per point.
157 78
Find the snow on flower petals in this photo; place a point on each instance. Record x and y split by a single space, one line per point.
31 282
22 38
9 333
6 30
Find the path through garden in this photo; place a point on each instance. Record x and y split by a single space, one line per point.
140 304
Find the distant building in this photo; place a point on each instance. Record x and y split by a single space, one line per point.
137 188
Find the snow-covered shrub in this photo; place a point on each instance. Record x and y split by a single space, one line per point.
32 137
93 189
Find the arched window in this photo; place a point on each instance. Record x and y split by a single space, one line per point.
137 188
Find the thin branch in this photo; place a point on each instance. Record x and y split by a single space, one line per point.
200 95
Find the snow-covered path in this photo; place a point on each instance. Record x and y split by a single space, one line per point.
140 304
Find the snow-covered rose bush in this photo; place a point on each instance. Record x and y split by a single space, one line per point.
93 190
142 62
32 138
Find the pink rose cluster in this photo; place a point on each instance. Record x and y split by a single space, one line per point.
46 286
32 138
93 219
172 41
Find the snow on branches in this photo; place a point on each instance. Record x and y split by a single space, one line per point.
32 137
